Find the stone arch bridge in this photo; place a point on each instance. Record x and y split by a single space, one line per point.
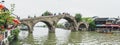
51 22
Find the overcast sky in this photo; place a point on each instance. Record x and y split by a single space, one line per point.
88 8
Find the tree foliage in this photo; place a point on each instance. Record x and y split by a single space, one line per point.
5 18
90 21
78 17
47 13
13 35
87 19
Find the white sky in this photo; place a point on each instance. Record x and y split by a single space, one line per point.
101 8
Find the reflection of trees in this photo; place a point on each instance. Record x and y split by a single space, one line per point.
51 40
75 37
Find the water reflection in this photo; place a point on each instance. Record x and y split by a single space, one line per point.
51 39
23 34
26 38
75 37
62 36
29 40
40 36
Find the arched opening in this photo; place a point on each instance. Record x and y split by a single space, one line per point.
24 30
71 23
43 24
41 27
67 23
62 31
24 26
82 27
63 24
41 30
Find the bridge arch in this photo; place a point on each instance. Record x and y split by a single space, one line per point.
49 25
51 21
83 26
24 24
70 20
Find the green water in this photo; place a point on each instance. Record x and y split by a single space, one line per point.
40 36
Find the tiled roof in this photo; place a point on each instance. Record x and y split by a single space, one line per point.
101 19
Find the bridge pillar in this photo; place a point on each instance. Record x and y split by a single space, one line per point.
74 29
52 29
30 29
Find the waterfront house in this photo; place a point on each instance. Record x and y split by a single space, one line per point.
108 23
99 22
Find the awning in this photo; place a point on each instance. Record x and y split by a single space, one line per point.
108 25
100 25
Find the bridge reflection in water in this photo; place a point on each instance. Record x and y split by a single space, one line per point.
40 36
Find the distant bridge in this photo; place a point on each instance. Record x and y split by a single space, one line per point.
51 22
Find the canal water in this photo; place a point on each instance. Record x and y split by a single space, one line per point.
40 36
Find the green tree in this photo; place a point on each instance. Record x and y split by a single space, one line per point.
78 17
87 19
47 13
5 18
90 21
92 25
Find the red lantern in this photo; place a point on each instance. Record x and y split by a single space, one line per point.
16 21
1 6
